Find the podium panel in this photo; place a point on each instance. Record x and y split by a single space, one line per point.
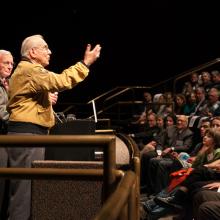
78 127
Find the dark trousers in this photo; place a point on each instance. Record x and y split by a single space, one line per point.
206 205
200 177
145 160
159 172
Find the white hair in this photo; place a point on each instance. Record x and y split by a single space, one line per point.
30 42
5 52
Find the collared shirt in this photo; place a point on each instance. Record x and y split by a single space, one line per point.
3 102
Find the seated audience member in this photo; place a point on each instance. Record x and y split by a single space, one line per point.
158 138
178 139
160 107
190 104
147 100
205 170
215 74
154 148
150 131
212 108
198 151
199 147
192 84
215 122
206 80
206 202
170 120
139 119
170 103
145 109
156 170
188 89
179 104
201 101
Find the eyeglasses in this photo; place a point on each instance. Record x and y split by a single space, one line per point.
44 48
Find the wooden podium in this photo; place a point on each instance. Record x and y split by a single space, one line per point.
77 127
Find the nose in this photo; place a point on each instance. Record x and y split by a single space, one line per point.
11 65
49 51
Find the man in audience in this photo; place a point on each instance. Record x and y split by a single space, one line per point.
178 139
201 101
206 202
151 130
212 108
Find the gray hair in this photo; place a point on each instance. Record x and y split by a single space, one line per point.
5 52
30 42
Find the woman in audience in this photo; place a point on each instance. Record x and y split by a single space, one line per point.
180 102
170 120
203 172
199 147
190 103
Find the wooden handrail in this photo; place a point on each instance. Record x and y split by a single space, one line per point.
52 140
128 188
52 173
111 211
107 142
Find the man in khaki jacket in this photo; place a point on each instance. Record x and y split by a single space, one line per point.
30 108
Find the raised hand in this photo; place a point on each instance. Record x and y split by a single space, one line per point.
91 56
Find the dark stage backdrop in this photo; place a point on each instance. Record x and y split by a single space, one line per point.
140 39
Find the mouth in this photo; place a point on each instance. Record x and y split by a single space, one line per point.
8 72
